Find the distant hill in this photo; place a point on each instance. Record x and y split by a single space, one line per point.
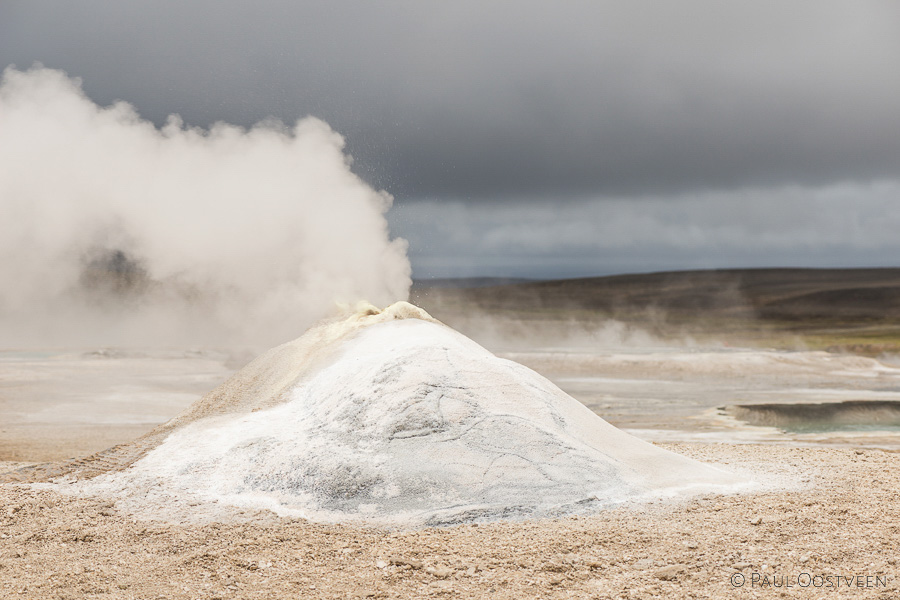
774 294
466 282
841 310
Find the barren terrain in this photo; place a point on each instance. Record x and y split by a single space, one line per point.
839 517
822 522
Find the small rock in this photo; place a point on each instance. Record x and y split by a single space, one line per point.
756 520
441 587
409 562
740 566
643 563
439 571
692 545
381 564
668 573
804 559
107 513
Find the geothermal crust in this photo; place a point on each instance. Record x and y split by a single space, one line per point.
394 418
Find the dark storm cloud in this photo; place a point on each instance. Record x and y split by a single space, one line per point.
503 99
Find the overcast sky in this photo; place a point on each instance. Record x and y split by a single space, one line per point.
542 138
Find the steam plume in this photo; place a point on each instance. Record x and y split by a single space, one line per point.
114 231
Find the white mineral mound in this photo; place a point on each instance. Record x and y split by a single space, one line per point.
400 420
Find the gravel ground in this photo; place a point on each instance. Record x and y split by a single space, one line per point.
827 524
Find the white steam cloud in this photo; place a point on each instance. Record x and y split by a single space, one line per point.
115 232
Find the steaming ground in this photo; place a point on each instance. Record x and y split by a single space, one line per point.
59 403
689 393
114 232
388 417
826 510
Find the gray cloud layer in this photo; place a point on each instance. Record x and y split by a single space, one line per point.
840 225
536 138
498 100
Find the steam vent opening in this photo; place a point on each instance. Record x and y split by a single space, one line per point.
824 417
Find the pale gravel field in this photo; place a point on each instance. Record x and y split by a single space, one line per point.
821 512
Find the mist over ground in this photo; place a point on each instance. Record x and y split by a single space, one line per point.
115 231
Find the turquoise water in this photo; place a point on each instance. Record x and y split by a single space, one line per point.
822 417
814 427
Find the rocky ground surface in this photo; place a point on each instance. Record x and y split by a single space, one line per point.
828 526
